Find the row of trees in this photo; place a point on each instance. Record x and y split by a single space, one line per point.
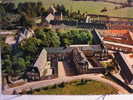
31 9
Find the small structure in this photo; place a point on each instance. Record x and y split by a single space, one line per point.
56 16
53 15
10 40
49 18
24 33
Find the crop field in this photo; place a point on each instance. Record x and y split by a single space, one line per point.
87 7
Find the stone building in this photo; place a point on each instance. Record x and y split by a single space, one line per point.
41 62
80 61
36 71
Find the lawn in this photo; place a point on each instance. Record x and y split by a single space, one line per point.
87 7
75 88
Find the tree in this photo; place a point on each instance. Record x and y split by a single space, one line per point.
25 21
9 7
75 37
5 49
2 12
61 9
51 39
21 63
30 46
48 38
104 10
7 66
32 9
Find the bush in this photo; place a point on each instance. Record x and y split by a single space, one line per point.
38 90
61 85
54 86
45 88
82 82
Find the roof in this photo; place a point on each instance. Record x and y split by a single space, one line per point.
120 32
49 17
40 60
80 55
85 47
55 50
119 44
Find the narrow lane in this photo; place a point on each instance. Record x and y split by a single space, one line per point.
61 70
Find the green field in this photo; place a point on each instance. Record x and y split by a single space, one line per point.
87 7
91 87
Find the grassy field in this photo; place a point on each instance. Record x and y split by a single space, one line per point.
87 7
91 87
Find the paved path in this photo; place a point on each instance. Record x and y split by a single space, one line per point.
63 78
61 70
39 84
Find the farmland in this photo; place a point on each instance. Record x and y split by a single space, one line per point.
87 7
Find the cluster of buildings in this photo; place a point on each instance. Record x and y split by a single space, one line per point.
116 40
119 42
84 57
87 58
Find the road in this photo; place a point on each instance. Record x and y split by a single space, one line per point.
39 84
63 78
61 70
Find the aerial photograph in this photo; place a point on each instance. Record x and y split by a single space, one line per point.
66 47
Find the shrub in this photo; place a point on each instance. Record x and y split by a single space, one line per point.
61 85
54 86
38 90
45 88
